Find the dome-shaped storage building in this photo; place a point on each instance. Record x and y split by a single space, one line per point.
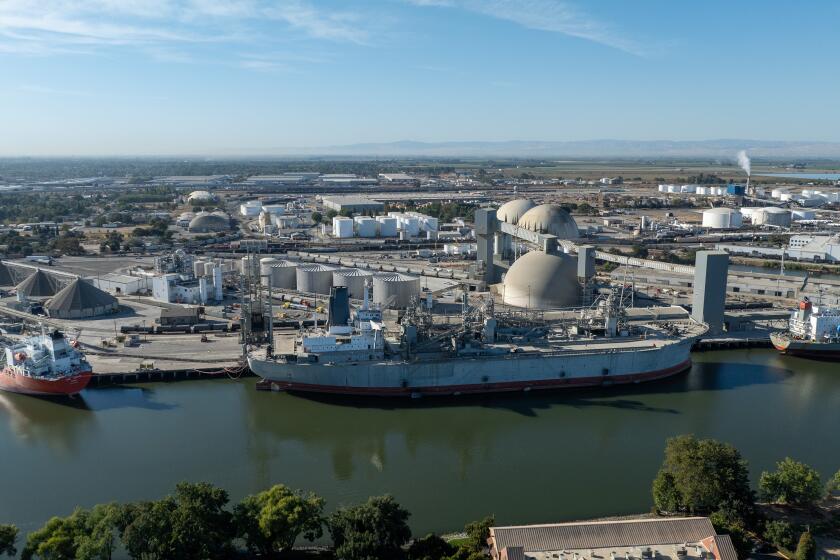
314 278
772 216
38 285
722 218
354 279
201 196
81 299
512 210
550 218
395 290
539 280
206 222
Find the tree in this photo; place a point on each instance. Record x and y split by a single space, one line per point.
370 531
56 540
726 522
833 484
779 533
478 532
8 537
700 476
792 483
807 548
192 525
331 214
97 540
271 521
317 217
430 547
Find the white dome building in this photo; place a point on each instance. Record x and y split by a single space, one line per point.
512 210
205 222
551 219
538 280
201 196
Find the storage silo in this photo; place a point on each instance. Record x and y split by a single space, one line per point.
209 267
702 190
265 268
395 290
314 278
198 269
778 192
365 226
342 227
284 275
663 188
772 216
387 226
354 279
722 218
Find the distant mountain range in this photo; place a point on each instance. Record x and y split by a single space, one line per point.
726 149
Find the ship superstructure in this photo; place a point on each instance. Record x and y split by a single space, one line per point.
479 351
44 364
813 331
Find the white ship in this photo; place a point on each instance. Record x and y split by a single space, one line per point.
483 353
46 364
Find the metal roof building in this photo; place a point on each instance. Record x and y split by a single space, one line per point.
6 278
81 299
352 204
684 538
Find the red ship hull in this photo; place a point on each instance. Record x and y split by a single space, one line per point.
70 385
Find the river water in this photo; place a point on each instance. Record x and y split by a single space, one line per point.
526 458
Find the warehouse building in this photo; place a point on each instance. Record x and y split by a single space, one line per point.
357 204
683 538
80 299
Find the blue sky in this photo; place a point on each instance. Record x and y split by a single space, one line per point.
100 77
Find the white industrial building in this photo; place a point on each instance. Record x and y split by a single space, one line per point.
200 288
122 284
250 209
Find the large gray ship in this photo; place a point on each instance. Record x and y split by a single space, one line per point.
480 352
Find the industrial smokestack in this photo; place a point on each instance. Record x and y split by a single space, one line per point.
745 164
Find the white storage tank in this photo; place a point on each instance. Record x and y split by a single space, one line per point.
797 215
314 278
198 269
410 225
265 268
395 290
663 188
702 190
778 192
342 227
772 216
722 218
749 211
354 279
785 197
365 226
387 226
284 275
673 189
245 263
688 188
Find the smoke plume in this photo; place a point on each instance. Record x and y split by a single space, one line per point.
744 162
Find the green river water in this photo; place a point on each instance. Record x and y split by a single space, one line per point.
527 458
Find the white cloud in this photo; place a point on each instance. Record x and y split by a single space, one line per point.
163 27
544 15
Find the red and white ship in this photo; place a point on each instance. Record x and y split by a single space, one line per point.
46 364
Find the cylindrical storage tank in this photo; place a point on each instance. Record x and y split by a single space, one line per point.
735 190
265 268
797 215
245 262
198 269
721 218
365 226
777 193
387 226
702 190
772 216
673 189
688 188
208 268
342 227
354 279
785 197
749 211
395 290
663 188
284 275
314 278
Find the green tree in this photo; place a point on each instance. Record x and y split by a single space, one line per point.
792 483
191 525
317 217
430 547
97 540
807 548
271 521
8 538
478 532
371 531
727 523
700 476
833 484
331 214
779 533
57 539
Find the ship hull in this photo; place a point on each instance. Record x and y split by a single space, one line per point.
65 386
511 373
804 348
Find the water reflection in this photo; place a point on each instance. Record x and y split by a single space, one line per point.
60 423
